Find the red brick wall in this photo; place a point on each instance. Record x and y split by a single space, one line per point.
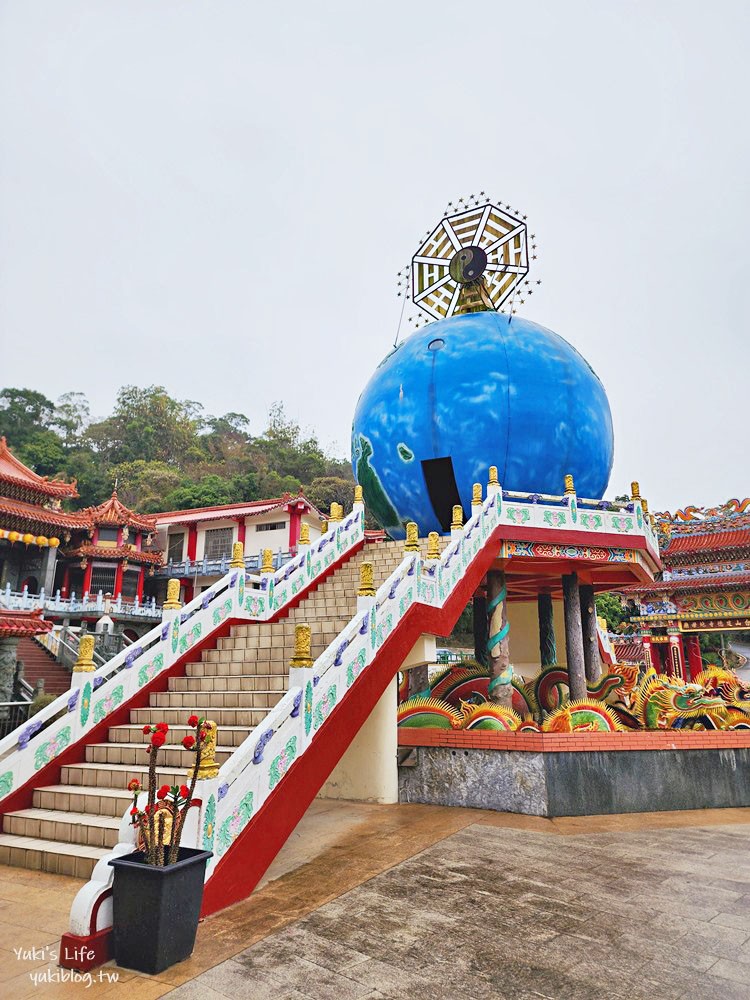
555 742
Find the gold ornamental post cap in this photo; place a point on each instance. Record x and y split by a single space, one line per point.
493 480
412 537
366 580
85 662
337 512
635 490
302 646
358 495
266 565
324 527
208 766
238 556
458 517
569 485
476 495
172 602
304 534
433 545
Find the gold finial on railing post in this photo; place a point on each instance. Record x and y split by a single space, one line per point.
266 564
238 556
458 517
85 662
366 580
324 527
411 543
302 646
337 512
172 602
644 504
476 495
569 485
304 534
635 490
433 545
207 765
358 495
493 480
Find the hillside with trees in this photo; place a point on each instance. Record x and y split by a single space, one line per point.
168 454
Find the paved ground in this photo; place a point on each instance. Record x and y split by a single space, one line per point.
420 902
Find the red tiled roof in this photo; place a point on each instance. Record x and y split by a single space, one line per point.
12 470
709 542
693 584
22 623
90 551
42 515
113 511
252 508
628 650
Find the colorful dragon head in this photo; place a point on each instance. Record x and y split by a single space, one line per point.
428 713
490 716
586 715
662 700
467 682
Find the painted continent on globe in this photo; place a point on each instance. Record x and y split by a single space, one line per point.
469 392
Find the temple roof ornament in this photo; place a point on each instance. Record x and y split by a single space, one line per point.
14 473
114 512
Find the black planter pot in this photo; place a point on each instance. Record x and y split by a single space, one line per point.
156 910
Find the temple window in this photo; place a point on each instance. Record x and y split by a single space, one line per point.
271 526
218 543
174 548
103 578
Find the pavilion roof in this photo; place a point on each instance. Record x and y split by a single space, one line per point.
22 623
117 552
114 512
13 471
252 508
696 583
707 541
42 515
628 649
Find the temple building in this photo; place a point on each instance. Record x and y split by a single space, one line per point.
50 552
116 556
705 585
32 525
197 544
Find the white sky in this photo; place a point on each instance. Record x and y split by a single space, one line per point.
216 196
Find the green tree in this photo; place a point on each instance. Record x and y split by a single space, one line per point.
148 424
23 414
325 490
145 486
208 492
71 417
608 606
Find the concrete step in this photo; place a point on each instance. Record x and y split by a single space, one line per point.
230 735
232 682
65 827
240 717
84 799
171 756
116 776
205 702
60 858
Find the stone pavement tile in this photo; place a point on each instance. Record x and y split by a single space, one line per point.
314 980
740 920
406 984
733 971
710 987
195 990
232 980
296 941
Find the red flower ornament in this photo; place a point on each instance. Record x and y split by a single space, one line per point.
158 739
163 792
162 727
147 729
188 741
134 785
184 791
193 721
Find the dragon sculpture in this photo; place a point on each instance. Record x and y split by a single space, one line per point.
667 703
586 715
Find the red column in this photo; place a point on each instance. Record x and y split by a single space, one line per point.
141 581
677 657
695 660
65 588
87 577
188 591
241 529
118 580
648 649
192 545
295 520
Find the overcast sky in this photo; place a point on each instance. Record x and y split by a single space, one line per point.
216 197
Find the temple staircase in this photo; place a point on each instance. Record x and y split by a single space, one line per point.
71 825
40 664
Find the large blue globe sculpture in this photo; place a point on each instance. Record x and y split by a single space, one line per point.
469 392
